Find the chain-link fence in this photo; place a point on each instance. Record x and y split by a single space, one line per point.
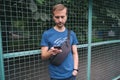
22 23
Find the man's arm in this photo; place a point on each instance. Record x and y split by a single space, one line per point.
76 60
45 53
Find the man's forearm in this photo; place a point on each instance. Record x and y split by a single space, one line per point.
45 55
76 62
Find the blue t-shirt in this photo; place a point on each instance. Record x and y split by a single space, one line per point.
52 38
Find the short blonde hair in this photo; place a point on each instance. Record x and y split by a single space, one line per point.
59 7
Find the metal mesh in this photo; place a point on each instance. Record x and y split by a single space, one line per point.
26 68
82 75
106 23
105 62
106 27
23 22
33 68
22 25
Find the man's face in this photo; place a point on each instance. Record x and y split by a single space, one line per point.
60 18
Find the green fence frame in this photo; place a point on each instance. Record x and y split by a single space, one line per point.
89 45
116 78
89 39
2 75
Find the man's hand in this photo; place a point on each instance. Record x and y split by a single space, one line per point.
75 72
55 51
46 53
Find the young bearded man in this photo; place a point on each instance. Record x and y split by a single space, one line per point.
55 36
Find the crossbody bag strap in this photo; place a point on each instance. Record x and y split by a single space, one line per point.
68 34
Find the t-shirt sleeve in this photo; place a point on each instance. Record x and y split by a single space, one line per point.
44 41
75 41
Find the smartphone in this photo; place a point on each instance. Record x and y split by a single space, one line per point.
57 47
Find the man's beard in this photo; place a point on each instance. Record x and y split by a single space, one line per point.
60 24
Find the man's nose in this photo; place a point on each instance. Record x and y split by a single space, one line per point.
60 19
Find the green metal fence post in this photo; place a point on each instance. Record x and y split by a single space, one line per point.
89 39
1 57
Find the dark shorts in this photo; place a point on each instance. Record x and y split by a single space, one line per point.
70 78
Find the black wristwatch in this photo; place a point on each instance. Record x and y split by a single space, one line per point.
76 70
